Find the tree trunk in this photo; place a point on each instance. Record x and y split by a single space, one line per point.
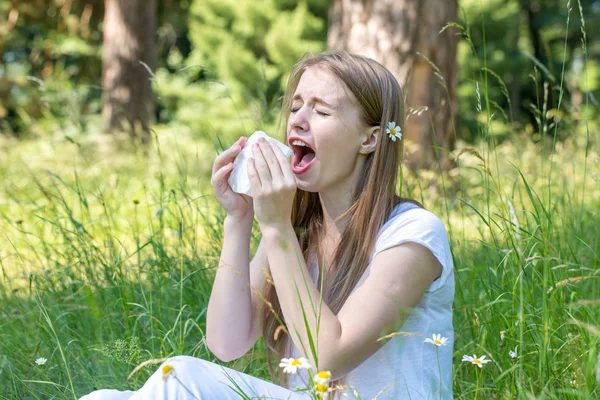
404 36
129 39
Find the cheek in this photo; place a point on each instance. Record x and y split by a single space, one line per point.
339 154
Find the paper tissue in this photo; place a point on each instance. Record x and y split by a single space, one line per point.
238 180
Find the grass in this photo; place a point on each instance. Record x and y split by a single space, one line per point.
107 259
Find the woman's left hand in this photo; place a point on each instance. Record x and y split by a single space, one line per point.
273 185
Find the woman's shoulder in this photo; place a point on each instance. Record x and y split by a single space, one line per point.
410 221
407 211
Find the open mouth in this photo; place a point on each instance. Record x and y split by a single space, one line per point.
303 155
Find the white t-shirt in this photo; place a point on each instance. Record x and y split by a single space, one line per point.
406 360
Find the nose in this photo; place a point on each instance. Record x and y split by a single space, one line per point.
298 121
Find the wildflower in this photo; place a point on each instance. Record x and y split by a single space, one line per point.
479 361
394 131
323 377
513 354
136 201
291 365
574 384
502 335
437 340
41 361
322 391
167 370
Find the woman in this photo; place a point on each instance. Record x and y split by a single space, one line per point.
332 225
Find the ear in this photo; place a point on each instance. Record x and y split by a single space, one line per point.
370 139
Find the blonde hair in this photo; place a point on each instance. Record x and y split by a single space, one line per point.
379 95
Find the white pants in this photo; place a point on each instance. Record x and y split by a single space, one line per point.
194 378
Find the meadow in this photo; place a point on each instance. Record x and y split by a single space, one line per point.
108 254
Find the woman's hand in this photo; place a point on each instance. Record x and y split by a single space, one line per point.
273 185
235 204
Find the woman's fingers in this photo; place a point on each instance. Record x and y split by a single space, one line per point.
253 177
229 155
286 169
261 167
271 158
219 178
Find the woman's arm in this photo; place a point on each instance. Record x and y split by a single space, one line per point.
399 277
232 320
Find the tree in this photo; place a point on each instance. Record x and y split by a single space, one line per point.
404 36
129 40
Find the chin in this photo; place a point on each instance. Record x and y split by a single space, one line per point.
305 187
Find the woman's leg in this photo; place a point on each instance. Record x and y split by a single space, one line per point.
108 394
194 378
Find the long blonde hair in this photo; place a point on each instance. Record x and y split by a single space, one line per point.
380 97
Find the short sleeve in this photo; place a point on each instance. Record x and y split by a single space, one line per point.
419 226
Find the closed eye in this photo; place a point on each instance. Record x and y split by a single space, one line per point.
293 110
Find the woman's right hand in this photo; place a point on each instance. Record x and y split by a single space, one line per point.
236 205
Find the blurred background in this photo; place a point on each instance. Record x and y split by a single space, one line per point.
217 67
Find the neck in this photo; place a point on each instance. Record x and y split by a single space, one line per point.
335 201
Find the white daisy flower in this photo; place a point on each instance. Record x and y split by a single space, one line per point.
322 391
574 384
513 354
394 131
323 377
291 365
479 361
167 370
41 361
437 340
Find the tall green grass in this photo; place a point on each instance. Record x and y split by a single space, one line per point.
107 258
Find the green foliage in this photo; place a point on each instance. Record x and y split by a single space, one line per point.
223 64
515 47
242 53
47 47
50 62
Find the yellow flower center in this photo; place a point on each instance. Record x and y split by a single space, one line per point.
295 363
324 375
393 131
477 361
166 370
437 342
320 388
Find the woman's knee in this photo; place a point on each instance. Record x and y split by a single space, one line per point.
186 366
108 394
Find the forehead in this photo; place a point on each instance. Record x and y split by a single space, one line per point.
319 82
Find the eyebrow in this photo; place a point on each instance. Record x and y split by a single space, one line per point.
314 98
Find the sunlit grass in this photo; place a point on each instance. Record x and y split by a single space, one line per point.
107 259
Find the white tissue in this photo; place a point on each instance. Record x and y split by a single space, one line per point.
238 180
